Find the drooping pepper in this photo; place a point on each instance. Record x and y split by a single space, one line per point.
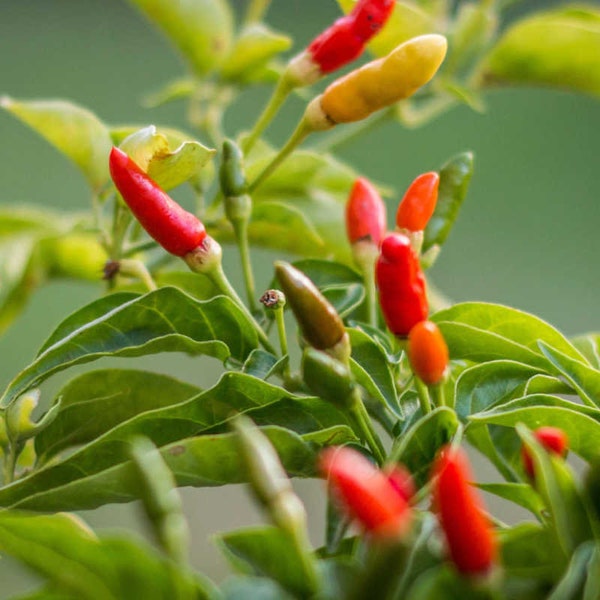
418 204
340 43
428 352
380 83
553 439
365 214
320 323
401 285
469 534
365 493
175 229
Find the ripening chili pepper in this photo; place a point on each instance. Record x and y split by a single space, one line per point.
342 42
469 534
320 323
382 82
365 214
418 204
553 439
428 352
401 285
365 493
176 230
400 477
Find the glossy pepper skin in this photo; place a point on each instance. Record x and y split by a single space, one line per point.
176 230
553 439
365 493
428 352
418 204
469 535
321 326
365 214
384 81
401 285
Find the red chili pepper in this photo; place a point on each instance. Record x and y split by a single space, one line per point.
469 534
428 352
365 214
401 285
365 493
176 230
418 204
345 40
370 16
402 481
552 439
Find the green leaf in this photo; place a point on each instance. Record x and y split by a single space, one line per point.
73 130
582 377
592 585
201 30
519 493
268 552
372 370
327 273
75 562
480 332
259 364
580 423
455 177
95 402
166 320
255 46
257 588
558 48
571 586
530 550
589 346
488 384
416 448
207 460
556 484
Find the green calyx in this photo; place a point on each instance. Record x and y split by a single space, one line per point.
321 326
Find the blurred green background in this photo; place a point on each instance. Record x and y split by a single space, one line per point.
527 236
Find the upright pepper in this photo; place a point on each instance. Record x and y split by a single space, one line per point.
401 285
365 214
340 43
365 493
553 439
418 204
321 326
428 352
469 534
176 230
381 82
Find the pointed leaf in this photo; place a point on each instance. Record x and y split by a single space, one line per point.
519 493
589 346
73 130
165 320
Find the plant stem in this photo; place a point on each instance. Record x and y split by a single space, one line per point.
280 322
280 93
256 11
240 228
423 394
370 292
438 395
136 268
361 416
297 137
218 277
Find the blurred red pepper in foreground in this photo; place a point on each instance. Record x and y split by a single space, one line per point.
366 493
469 534
401 285
174 228
554 440
418 204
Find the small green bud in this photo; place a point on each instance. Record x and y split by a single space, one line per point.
273 299
231 173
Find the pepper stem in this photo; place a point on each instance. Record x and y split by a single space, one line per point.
423 394
219 279
136 268
282 90
240 228
438 395
297 137
256 11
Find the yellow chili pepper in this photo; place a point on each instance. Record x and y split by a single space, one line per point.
384 81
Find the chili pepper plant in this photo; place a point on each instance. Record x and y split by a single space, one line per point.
352 367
